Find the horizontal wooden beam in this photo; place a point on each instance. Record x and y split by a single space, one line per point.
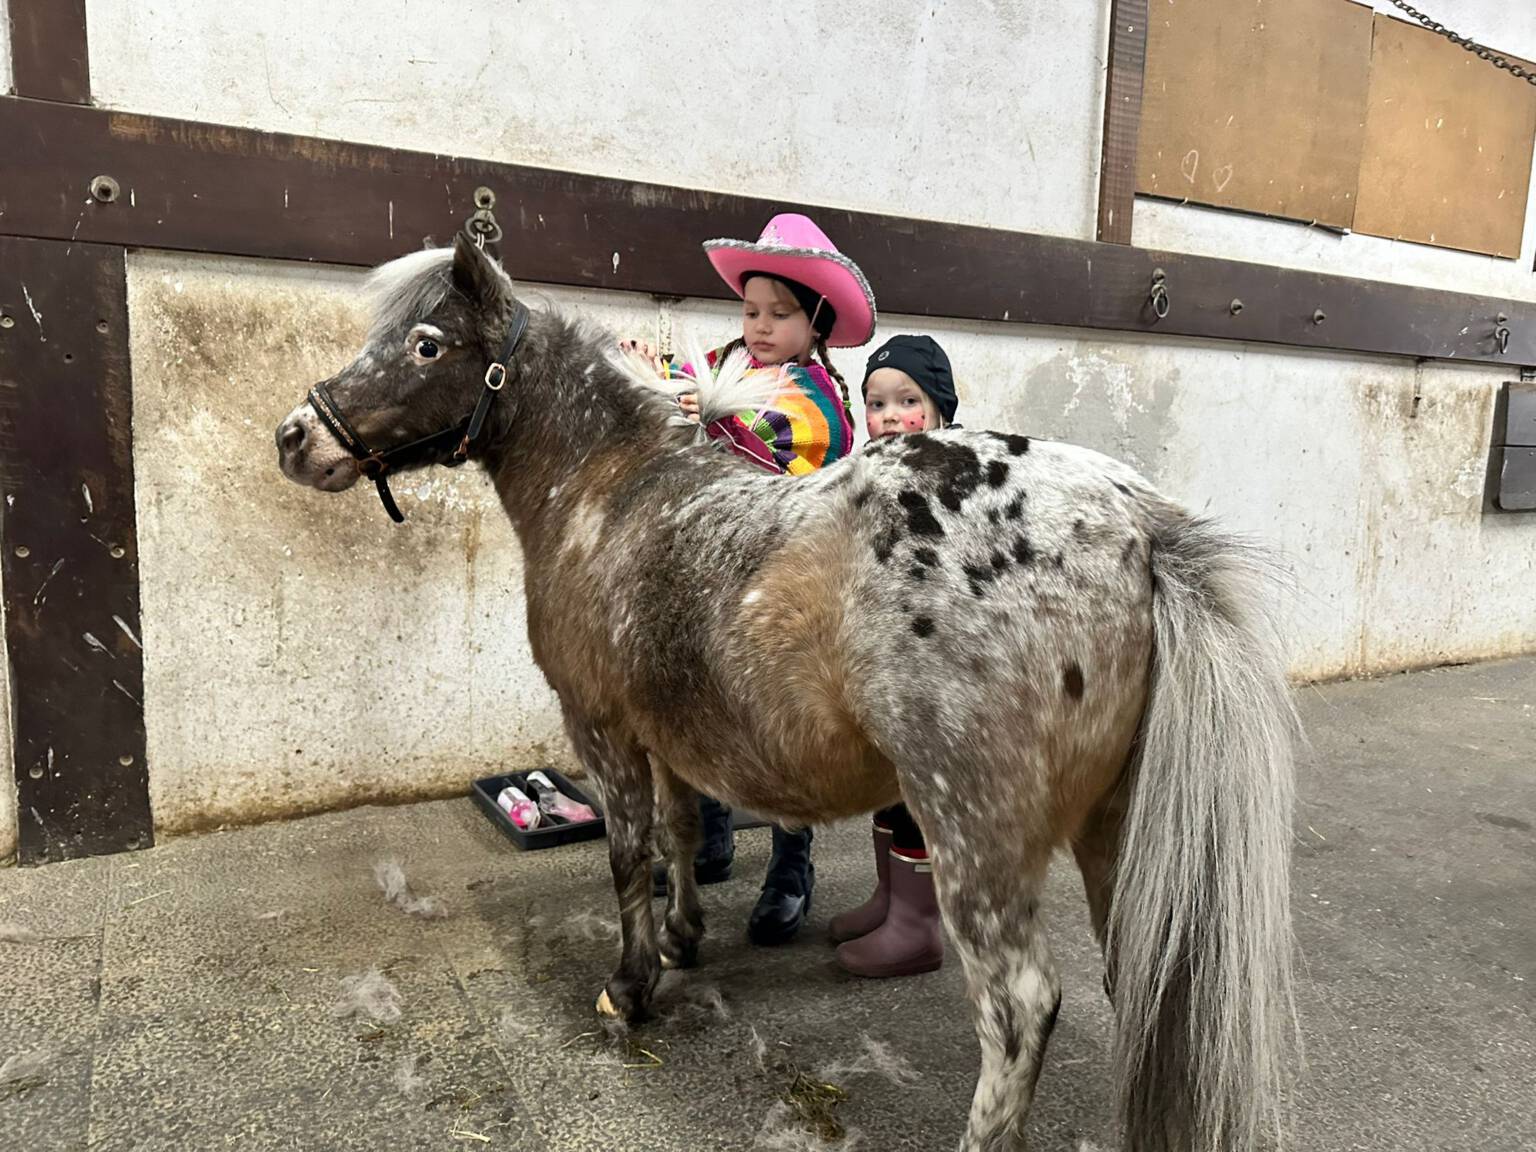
212 188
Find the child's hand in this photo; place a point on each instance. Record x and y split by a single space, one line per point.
643 348
689 403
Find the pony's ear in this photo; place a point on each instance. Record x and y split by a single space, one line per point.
479 277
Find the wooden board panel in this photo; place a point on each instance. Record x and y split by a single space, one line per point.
210 188
1122 120
49 57
69 539
1447 145
1255 105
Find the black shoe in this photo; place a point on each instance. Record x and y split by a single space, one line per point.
786 898
777 916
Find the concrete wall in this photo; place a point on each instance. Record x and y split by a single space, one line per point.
7 770
302 652
984 113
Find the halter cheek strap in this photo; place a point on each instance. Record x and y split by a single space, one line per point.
375 463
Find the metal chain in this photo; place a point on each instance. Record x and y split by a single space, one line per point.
1480 51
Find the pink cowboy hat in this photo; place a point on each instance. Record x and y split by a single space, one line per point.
793 247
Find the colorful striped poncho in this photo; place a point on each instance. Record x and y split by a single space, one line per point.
803 427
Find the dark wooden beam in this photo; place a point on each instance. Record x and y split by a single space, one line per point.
1122 119
49 57
68 543
209 188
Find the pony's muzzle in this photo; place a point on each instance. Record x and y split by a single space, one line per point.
309 454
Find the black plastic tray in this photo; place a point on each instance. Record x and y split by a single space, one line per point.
552 831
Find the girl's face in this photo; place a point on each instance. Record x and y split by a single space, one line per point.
894 404
774 327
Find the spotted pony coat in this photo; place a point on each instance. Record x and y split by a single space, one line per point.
1019 638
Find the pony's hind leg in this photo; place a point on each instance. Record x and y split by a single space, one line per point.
1097 849
989 869
624 771
683 927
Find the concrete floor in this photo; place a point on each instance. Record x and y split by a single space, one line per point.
186 993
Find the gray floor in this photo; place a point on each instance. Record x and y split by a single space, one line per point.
186 993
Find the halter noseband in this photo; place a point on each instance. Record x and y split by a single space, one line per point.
375 463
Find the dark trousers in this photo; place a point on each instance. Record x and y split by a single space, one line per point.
906 836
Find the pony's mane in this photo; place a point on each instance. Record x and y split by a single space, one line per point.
408 288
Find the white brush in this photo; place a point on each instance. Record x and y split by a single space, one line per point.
735 387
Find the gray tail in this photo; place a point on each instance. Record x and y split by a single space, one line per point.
1200 928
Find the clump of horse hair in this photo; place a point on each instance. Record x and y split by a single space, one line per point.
588 926
407 1078
735 386
783 1130
877 1059
391 880
17 934
681 1000
368 994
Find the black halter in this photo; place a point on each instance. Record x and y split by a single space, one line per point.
375 463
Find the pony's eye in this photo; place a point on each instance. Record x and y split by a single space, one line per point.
426 349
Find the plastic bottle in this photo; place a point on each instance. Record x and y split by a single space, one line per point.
520 810
557 803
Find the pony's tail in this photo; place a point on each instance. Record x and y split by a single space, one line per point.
1200 925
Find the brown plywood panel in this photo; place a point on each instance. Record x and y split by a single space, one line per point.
1256 105
1447 145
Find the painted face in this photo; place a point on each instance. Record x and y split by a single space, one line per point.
774 327
894 404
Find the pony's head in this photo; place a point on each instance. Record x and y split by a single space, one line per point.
422 387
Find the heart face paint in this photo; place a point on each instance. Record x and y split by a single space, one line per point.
895 405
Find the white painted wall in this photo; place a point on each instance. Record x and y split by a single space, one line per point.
1509 28
6 82
983 113
301 652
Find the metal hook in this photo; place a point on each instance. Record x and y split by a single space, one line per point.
1157 297
1501 333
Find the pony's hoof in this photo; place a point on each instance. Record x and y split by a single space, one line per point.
605 1007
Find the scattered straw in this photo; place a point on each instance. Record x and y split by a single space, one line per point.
368 994
391 880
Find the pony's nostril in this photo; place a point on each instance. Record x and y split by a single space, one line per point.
290 437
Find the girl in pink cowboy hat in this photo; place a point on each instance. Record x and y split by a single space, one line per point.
799 296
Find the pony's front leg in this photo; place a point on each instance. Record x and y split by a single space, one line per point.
683 927
625 773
